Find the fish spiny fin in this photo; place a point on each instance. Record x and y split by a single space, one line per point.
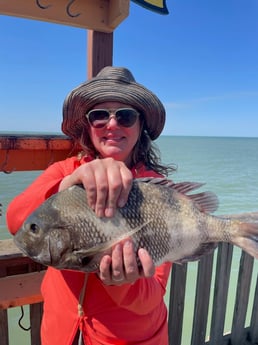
107 245
205 201
181 187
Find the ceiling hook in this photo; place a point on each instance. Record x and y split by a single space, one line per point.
68 10
42 6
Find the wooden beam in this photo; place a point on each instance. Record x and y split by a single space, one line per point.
33 152
20 289
100 51
100 15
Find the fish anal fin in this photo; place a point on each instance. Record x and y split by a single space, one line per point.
204 249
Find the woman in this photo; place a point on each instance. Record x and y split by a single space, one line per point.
114 119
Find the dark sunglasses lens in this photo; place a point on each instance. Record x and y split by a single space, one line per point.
98 118
126 117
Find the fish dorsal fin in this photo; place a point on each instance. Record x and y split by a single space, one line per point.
205 201
181 187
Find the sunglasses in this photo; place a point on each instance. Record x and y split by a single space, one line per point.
125 117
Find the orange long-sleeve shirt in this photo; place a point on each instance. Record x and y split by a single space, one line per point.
126 315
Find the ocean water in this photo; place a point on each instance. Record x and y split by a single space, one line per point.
227 165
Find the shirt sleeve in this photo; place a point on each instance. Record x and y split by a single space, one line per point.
33 196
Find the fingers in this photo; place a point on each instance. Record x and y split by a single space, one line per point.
148 268
117 270
132 272
104 270
108 183
121 267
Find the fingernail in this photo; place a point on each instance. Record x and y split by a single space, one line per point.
142 251
109 212
99 213
118 247
128 244
121 202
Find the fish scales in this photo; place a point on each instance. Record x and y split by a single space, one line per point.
159 216
73 209
140 211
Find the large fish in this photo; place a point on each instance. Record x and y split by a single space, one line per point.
159 216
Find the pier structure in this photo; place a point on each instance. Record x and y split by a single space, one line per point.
20 277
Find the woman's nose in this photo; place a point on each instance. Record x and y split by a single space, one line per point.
112 122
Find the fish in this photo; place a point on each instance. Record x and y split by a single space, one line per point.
166 218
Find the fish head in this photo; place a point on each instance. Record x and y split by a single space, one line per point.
43 237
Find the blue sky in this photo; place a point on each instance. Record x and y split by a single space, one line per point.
201 60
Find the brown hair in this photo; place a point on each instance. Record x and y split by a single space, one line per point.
145 151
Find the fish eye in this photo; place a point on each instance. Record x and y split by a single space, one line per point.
86 260
34 228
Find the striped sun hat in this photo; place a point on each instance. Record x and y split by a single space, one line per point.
115 84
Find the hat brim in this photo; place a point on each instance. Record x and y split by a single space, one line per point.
82 99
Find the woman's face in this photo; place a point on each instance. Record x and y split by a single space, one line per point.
114 140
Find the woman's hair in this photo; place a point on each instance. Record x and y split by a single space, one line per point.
144 151
148 153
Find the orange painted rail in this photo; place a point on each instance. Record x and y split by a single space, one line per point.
33 152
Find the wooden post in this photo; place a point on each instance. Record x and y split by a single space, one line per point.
100 51
176 303
238 334
36 311
221 287
4 337
202 297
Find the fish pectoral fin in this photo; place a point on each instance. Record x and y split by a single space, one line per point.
204 249
96 249
128 234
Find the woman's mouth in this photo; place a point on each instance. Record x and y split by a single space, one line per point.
113 139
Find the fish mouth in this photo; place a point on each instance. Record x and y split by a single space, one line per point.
44 257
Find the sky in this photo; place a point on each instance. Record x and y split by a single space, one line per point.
201 60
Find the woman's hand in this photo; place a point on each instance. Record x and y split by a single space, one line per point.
121 267
107 183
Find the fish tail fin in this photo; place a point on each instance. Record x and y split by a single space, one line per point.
247 238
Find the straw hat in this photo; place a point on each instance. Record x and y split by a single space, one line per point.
112 84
